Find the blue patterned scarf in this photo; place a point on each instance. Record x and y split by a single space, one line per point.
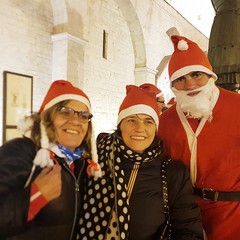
70 155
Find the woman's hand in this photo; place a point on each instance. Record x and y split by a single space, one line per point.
49 182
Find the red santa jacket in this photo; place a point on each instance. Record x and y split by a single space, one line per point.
218 160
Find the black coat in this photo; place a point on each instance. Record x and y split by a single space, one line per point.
146 203
59 218
142 217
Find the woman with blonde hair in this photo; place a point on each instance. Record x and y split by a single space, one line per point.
42 174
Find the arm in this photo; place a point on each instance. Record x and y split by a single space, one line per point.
16 158
184 213
13 212
23 205
46 187
15 165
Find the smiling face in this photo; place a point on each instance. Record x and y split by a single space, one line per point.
70 131
194 93
138 131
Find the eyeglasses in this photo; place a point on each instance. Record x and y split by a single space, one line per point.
68 112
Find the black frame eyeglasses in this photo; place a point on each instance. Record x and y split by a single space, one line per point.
67 112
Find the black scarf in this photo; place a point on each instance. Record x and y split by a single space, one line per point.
105 210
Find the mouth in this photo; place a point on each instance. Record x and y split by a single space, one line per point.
192 94
71 131
138 138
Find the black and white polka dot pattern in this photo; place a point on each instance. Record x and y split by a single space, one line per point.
105 210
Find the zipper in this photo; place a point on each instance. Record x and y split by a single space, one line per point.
76 181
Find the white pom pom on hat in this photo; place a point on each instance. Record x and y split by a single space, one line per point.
187 57
182 45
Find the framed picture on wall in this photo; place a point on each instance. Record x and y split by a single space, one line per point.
17 101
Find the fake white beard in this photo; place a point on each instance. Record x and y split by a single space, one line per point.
198 106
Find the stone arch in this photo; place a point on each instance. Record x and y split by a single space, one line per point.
62 23
142 72
68 42
135 29
59 11
65 18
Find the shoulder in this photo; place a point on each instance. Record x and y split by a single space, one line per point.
169 111
227 103
16 157
105 147
18 148
19 143
105 142
228 96
177 171
175 165
168 117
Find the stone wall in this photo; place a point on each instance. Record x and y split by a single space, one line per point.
63 39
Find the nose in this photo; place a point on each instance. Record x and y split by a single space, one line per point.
139 126
74 119
189 83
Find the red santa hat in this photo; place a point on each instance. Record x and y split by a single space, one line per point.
61 90
152 88
138 101
187 57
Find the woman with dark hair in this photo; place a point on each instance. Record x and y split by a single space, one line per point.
141 192
42 175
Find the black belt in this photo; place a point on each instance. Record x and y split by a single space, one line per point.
209 194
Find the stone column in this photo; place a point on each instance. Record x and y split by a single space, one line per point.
68 57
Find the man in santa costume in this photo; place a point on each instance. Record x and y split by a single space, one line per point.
203 130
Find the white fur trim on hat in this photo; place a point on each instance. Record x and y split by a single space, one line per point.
192 68
68 97
138 109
